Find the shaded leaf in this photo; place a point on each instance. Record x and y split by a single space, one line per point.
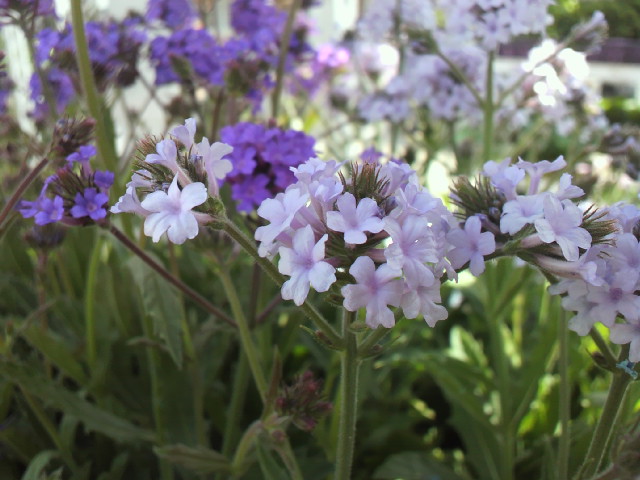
38 464
93 418
56 350
271 470
197 459
414 466
162 303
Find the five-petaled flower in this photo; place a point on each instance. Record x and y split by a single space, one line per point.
171 211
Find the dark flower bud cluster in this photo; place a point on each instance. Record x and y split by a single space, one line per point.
304 402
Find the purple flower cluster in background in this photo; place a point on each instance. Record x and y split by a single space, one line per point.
114 48
174 14
74 195
196 49
26 7
262 158
245 62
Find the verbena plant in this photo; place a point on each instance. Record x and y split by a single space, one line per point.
268 329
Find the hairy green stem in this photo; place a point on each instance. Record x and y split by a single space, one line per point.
164 273
348 406
372 340
310 311
282 57
104 144
606 424
564 442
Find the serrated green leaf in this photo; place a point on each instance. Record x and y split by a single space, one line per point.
162 303
38 464
56 396
197 459
414 466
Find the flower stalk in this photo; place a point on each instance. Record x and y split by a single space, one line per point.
601 437
348 406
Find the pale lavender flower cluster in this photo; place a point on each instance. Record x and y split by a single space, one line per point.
558 90
170 192
430 83
551 217
605 282
378 239
485 23
598 271
261 159
74 195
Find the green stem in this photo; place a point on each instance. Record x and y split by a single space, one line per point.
501 366
249 246
600 440
244 447
348 406
282 58
89 305
248 346
610 359
103 142
372 340
164 273
17 195
488 111
564 442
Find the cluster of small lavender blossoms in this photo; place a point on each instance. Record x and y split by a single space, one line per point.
378 239
74 195
595 255
176 181
464 32
176 175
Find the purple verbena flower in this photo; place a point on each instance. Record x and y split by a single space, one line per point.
91 204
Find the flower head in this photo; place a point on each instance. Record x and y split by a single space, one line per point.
171 212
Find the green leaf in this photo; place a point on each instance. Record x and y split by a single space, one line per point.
56 350
271 470
38 464
117 469
162 303
197 459
414 466
93 418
